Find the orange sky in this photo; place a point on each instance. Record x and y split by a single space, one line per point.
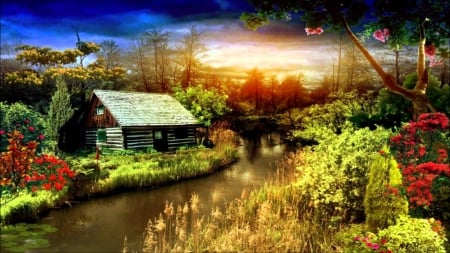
273 54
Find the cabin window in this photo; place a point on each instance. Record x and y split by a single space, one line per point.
181 133
101 135
157 135
100 110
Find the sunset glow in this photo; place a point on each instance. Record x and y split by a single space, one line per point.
274 55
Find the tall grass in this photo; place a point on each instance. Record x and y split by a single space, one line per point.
27 206
272 218
149 170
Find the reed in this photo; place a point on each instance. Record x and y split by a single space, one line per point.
275 217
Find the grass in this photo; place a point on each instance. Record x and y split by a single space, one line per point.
272 218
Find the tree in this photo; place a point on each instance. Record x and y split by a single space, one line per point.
293 94
424 22
253 88
205 104
158 43
190 50
43 65
109 54
86 48
60 111
138 57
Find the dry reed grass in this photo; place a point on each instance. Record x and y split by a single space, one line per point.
272 218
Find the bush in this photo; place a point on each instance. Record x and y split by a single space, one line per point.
411 235
383 203
333 174
408 235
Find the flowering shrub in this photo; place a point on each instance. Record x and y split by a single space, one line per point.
407 235
421 149
21 168
23 119
370 243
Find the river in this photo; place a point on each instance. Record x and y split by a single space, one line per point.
101 224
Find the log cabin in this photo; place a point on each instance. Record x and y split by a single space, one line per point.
138 120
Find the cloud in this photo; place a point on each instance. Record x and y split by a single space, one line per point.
224 5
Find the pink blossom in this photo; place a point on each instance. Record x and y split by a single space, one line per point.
2 132
31 128
311 31
41 137
382 35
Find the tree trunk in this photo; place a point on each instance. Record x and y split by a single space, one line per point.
417 96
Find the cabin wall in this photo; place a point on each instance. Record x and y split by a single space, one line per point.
174 143
114 138
139 137
95 120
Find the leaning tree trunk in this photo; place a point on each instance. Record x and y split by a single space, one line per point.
417 96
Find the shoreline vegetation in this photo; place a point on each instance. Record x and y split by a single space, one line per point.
121 171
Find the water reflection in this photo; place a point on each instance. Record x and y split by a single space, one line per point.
100 225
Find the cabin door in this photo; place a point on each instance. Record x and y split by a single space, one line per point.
160 140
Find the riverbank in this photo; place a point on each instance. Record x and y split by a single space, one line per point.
118 172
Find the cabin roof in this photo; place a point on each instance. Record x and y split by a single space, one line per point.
144 109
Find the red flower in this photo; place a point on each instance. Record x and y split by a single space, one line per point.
52 177
58 186
41 137
311 31
31 128
47 186
2 132
422 150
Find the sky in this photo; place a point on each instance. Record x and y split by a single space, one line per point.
277 49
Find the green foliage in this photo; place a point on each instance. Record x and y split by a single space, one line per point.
393 109
60 111
383 203
411 235
334 173
440 206
318 121
205 104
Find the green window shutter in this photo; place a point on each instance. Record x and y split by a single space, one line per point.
101 135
